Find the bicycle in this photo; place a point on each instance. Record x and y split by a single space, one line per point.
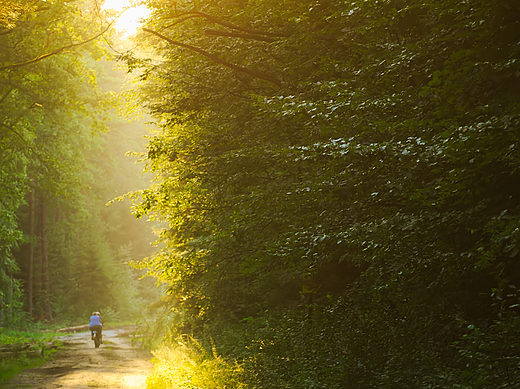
97 338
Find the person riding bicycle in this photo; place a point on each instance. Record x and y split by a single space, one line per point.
96 324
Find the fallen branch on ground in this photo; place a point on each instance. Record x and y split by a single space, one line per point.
74 329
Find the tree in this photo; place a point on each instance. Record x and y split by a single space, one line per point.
55 119
369 145
10 11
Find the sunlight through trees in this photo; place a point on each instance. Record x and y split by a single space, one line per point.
335 186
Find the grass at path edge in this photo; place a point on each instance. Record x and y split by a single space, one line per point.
10 366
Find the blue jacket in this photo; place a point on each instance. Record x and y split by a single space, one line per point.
95 321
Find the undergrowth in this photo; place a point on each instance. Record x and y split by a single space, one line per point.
12 336
187 365
11 366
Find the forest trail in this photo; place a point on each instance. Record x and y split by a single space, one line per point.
116 364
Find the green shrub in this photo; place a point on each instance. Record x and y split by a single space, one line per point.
186 365
9 367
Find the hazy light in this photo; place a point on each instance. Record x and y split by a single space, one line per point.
128 21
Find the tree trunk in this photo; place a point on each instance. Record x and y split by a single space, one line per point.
45 261
6 295
1 310
8 313
30 261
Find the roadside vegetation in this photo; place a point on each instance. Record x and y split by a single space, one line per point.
21 350
340 183
187 364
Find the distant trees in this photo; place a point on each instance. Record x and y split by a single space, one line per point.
339 181
56 259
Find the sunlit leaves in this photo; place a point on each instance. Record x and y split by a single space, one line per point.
379 166
52 116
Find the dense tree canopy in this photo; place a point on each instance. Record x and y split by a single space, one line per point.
340 182
58 168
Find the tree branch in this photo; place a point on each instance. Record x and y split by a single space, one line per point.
14 131
6 32
214 58
37 98
55 52
248 33
197 14
5 96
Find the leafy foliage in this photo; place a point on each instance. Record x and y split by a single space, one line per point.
13 365
57 101
339 181
189 366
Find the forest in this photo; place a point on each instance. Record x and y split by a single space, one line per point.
331 187
62 159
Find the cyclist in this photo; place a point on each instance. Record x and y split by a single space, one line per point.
96 324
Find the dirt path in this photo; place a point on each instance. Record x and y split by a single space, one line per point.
79 365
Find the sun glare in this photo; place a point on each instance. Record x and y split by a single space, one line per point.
128 21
